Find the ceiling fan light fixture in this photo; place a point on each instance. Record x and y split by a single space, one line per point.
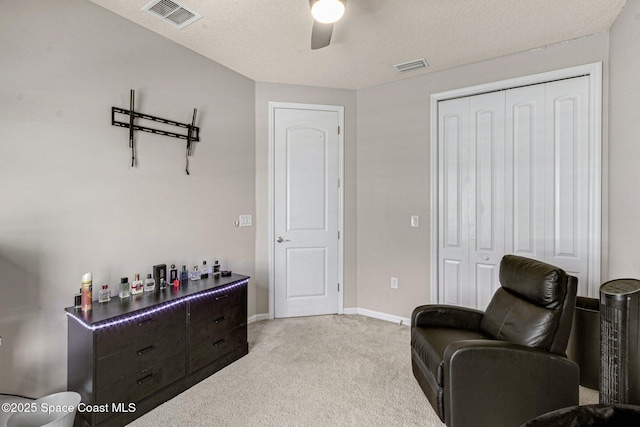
327 11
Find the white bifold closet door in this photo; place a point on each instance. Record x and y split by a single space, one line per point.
513 178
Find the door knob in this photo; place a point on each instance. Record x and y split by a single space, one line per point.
280 240
486 258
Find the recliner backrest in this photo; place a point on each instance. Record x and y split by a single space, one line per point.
533 307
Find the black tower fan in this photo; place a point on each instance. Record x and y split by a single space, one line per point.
620 341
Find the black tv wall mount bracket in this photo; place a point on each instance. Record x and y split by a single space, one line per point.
193 132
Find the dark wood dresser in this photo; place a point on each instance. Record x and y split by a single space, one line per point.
127 356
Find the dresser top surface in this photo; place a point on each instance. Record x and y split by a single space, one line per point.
137 304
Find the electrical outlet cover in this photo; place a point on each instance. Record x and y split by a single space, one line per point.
245 220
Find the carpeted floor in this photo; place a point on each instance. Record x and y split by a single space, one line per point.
344 370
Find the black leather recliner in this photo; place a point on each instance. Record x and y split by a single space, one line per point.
504 366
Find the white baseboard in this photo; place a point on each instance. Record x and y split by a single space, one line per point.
378 315
351 310
258 317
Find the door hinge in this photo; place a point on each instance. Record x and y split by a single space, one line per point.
338 287
338 182
338 130
338 235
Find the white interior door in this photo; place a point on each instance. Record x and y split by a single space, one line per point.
306 211
472 197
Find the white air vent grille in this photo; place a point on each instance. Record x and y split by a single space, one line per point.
172 12
411 65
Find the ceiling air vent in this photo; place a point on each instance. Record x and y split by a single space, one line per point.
411 65
172 12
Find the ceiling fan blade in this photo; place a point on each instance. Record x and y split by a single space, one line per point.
321 35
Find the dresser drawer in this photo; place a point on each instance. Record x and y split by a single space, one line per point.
136 387
212 306
206 352
140 333
147 351
216 325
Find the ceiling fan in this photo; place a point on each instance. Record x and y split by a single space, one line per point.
325 14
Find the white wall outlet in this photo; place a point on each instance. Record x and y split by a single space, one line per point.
415 221
245 220
394 283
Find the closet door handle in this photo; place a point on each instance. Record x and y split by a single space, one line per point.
218 320
217 343
222 297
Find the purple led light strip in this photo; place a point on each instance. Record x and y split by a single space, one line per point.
160 307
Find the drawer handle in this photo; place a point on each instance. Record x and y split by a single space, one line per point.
145 321
217 343
144 379
145 350
219 320
222 297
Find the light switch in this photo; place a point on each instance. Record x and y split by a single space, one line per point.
415 221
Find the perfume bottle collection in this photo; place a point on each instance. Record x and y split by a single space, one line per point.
154 282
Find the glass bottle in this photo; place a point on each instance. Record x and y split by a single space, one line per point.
195 273
163 281
149 283
204 270
137 287
104 295
184 276
125 288
77 300
216 269
173 274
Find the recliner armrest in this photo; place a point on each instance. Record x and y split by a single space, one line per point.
448 316
499 383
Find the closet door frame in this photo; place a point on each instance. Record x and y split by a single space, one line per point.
597 254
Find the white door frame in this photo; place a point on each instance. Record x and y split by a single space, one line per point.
340 110
597 254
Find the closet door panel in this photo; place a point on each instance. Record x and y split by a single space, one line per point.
453 234
567 133
486 194
526 171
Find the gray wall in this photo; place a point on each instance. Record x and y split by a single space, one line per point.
624 148
69 200
394 168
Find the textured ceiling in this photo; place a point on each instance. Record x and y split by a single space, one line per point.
269 40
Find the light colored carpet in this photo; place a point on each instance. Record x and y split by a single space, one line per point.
346 370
